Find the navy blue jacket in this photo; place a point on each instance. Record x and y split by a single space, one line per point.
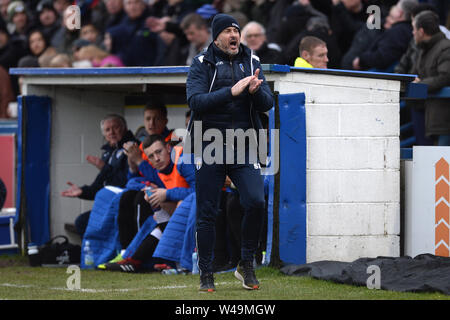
208 88
2 194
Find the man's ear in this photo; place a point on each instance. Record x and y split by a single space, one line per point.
305 55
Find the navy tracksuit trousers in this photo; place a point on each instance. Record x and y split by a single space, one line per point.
210 180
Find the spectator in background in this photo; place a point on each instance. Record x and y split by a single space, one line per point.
6 94
362 40
2 194
319 27
253 35
313 53
443 8
18 16
257 10
26 62
197 33
295 21
64 37
77 45
113 165
48 19
37 43
61 60
433 69
90 33
47 56
61 6
176 10
410 57
347 17
93 11
389 47
11 49
177 45
132 41
98 57
406 66
207 11
115 13
4 9
274 18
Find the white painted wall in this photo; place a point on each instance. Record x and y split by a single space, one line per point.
353 164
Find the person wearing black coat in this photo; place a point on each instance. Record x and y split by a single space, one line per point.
347 17
432 68
132 41
113 165
225 89
2 194
391 44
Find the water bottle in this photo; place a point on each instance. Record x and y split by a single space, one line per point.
265 260
195 262
33 255
169 271
88 256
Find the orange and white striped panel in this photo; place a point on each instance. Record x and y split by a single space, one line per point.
442 209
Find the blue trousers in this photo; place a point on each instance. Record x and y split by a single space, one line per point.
210 180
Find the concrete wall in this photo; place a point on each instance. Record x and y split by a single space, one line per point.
353 164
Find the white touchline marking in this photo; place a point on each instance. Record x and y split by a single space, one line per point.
87 290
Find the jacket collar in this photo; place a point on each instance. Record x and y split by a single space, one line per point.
426 45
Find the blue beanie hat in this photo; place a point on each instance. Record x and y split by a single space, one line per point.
222 21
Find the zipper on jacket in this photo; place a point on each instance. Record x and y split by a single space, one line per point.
232 84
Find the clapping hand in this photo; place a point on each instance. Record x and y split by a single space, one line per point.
96 161
251 81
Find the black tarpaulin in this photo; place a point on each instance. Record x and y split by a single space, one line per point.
424 273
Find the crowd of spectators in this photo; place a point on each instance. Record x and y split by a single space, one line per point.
116 33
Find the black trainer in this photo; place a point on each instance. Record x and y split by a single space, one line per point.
207 282
246 274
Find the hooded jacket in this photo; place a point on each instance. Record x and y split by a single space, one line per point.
208 88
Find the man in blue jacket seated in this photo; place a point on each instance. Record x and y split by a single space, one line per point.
172 181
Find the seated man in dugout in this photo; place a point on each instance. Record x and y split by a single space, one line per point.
155 121
132 204
172 182
313 53
113 166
